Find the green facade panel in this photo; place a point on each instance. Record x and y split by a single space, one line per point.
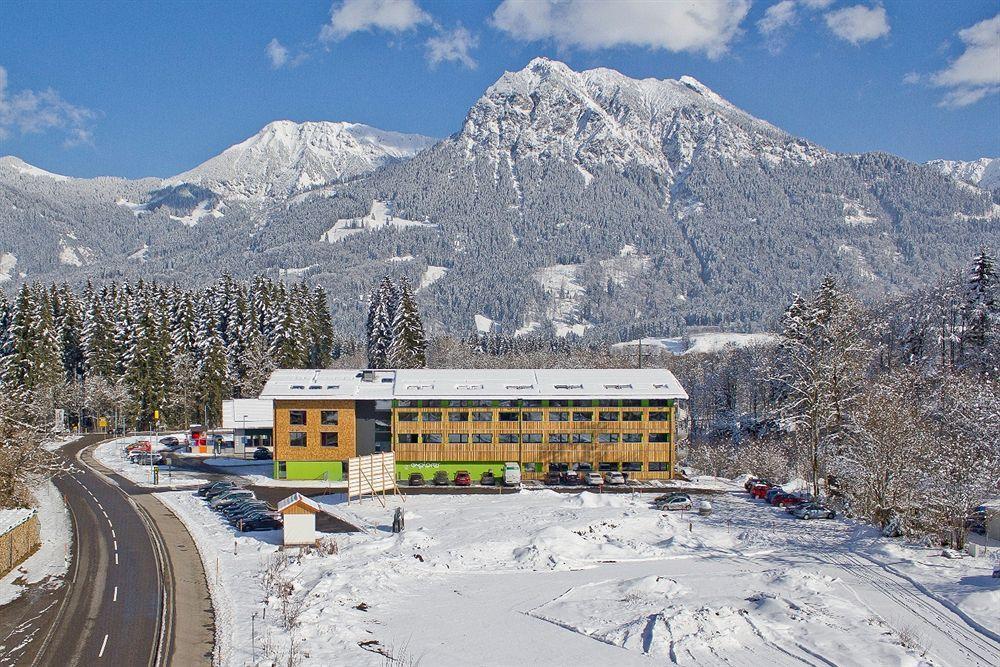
332 471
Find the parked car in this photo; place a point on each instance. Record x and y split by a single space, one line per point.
787 500
511 474
262 454
145 459
673 501
594 479
247 513
760 489
262 523
441 478
169 441
488 479
552 479
139 446
996 571
225 488
416 479
202 491
812 511
614 478
230 497
771 493
463 478
571 477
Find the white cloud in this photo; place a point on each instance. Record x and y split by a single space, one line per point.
777 16
454 46
33 112
976 73
280 56
859 23
817 4
352 16
702 26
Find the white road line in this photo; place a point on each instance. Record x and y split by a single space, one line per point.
105 514
115 598
116 558
103 644
112 531
116 545
111 524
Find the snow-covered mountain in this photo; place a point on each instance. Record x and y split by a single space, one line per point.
600 118
287 157
12 165
984 172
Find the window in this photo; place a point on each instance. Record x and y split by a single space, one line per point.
659 416
558 416
407 416
583 438
531 403
558 437
605 466
482 416
458 438
507 438
607 403
607 437
631 403
297 439
454 416
329 417
634 466
531 437
558 467
406 404
329 439
507 404
430 416
508 416
658 403
297 417
609 416
406 438
532 467
659 467
531 416
482 438
582 467
432 438
558 404
631 437
632 416
583 416
434 404
659 437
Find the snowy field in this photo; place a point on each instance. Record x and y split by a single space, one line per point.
111 455
570 579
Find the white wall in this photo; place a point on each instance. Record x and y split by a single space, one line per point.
300 529
259 412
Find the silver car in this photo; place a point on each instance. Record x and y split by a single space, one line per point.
812 511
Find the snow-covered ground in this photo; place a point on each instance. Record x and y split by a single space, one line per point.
381 216
111 454
567 579
52 557
701 342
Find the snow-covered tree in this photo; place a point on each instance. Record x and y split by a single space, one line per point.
409 343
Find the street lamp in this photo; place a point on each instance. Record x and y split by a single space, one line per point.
244 437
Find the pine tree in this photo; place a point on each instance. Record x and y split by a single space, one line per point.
409 343
982 314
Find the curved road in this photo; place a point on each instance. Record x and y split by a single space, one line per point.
117 604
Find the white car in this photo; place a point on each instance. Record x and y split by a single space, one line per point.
614 478
674 501
594 479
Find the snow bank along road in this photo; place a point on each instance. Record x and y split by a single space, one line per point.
117 606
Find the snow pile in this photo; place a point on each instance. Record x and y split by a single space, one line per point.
52 557
7 263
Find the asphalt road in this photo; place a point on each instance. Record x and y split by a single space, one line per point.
109 609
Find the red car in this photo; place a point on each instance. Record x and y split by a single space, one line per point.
140 446
463 478
787 500
759 490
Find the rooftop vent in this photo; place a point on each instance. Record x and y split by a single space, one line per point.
617 386
661 385
297 386
388 379
419 387
469 387
520 386
569 386
315 386
367 376
333 386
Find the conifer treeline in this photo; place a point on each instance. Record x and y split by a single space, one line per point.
395 333
159 347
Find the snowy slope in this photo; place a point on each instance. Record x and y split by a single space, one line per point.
287 157
600 117
15 165
984 172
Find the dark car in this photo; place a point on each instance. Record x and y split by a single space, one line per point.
488 479
441 478
552 479
223 487
169 441
416 479
262 454
571 477
463 478
202 491
262 523
771 493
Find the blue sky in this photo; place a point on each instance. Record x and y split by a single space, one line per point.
153 88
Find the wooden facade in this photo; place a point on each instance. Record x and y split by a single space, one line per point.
313 429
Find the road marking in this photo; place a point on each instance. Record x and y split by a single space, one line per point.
112 531
116 545
115 598
116 558
111 524
103 644
105 514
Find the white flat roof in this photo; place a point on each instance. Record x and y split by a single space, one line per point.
474 383
247 413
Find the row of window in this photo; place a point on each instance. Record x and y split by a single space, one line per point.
527 438
326 417
603 466
535 403
554 416
301 439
